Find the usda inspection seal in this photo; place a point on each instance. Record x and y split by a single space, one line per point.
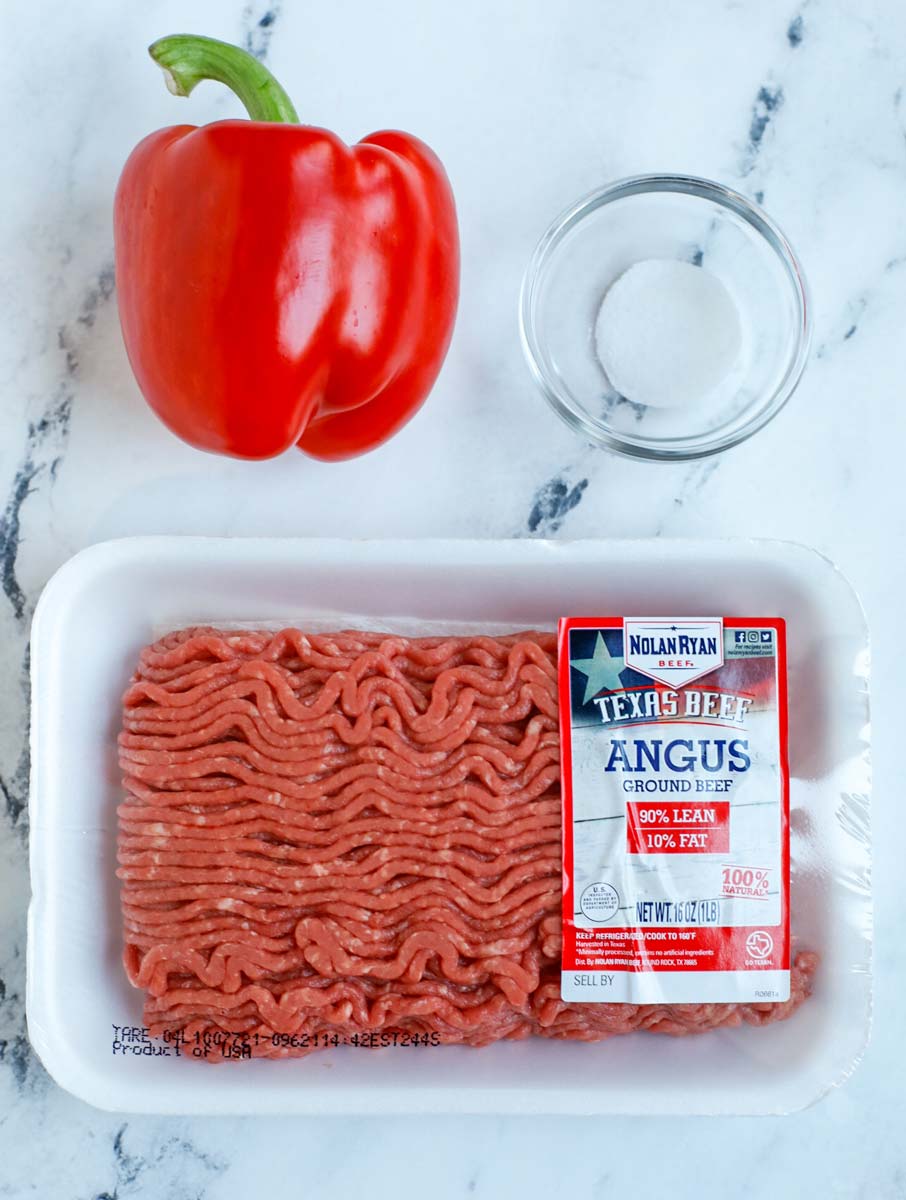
599 902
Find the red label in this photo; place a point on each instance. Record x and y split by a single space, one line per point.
693 767
682 949
693 828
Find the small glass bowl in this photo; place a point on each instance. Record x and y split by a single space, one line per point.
667 217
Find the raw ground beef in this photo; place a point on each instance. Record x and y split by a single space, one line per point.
355 832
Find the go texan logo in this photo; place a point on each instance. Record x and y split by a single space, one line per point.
673 650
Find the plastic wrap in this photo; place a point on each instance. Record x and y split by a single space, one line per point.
104 605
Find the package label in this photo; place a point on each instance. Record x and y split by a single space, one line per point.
675 810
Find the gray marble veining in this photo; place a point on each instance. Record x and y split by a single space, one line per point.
530 105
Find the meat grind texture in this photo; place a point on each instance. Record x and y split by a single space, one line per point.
356 833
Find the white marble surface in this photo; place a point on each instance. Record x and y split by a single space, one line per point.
530 104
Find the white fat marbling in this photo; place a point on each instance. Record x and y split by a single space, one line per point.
530 104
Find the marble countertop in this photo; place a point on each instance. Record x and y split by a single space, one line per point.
530 104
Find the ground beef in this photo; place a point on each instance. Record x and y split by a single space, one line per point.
352 833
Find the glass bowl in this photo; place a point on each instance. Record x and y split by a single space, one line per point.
675 217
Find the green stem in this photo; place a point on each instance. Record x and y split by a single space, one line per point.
186 60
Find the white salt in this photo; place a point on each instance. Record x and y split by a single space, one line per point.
667 333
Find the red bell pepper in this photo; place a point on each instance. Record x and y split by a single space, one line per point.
275 285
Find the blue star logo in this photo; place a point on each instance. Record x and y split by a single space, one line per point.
602 670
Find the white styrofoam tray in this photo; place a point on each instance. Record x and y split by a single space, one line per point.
107 602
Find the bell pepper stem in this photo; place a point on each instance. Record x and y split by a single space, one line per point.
187 59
